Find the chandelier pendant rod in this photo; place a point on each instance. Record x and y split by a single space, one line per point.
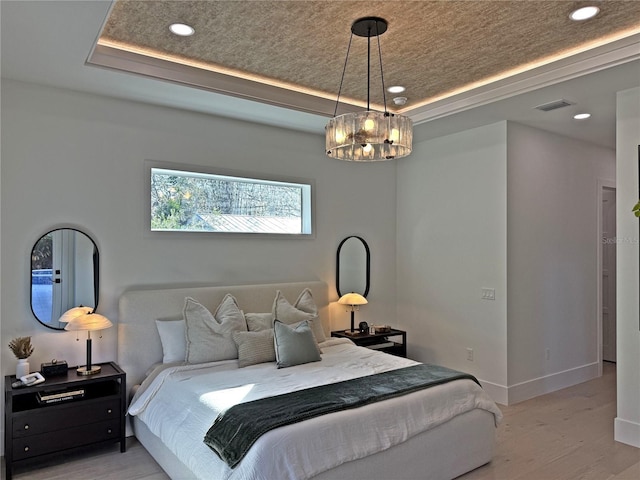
369 66
344 70
384 94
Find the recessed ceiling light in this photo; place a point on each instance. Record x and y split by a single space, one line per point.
182 29
582 116
584 13
396 89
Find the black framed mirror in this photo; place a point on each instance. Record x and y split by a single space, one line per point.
353 266
64 274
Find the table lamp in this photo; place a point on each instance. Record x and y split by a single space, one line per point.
85 318
354 300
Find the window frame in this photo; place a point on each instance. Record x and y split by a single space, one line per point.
308 200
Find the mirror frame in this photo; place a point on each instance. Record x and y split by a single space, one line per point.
96 273
368 265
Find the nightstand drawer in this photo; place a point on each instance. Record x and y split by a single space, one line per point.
68 438
60 417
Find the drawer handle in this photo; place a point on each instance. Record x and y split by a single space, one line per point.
26 427
108 430
26 449
109 410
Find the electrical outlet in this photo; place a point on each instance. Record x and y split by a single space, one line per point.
470 354
488 293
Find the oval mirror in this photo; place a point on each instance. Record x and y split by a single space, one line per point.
352 266
64 274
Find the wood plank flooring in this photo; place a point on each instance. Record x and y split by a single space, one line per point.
564 435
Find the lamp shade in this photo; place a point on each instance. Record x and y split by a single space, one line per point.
352 299
88 321
369 136
74 313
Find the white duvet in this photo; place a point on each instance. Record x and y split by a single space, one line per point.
180 403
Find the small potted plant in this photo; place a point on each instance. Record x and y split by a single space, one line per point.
636 209
22 349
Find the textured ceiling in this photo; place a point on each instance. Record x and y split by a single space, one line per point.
433 48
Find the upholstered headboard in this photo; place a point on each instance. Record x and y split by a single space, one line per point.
139 344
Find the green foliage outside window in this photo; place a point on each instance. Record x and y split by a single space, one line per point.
197 202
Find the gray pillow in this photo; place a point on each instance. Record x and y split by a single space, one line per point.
303 309
294 345
255 347
209 336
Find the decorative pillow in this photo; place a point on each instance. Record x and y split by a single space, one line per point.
172 336
304 309
294 345
209 336
255 347
257 322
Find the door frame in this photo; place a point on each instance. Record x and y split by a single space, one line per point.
602 184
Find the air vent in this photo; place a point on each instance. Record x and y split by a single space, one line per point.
547 107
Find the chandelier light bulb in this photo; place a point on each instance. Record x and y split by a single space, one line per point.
369 124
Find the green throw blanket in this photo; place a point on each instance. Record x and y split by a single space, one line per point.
238 428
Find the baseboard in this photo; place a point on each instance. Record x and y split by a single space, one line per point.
625 431
498 393
550 383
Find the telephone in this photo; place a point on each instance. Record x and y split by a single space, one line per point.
28 380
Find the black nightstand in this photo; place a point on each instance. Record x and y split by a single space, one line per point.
37 430
388 342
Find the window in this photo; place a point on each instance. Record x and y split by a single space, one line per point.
190 201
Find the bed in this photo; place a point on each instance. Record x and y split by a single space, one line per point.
436 433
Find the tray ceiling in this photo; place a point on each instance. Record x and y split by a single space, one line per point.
291 53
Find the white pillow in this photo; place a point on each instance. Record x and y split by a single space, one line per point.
303 309
294 345
209 336
174 343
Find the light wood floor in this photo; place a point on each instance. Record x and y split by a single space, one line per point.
564 435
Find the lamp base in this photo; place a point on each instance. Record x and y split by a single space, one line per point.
89 371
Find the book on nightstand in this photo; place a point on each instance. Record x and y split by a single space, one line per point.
45 398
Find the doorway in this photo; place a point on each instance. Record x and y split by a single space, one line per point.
608 272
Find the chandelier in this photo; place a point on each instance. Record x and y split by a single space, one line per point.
368 136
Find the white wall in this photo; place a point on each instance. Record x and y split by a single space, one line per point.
515 209
552 248
627 423
77 160
452 239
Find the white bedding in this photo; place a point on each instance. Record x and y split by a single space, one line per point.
179 404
